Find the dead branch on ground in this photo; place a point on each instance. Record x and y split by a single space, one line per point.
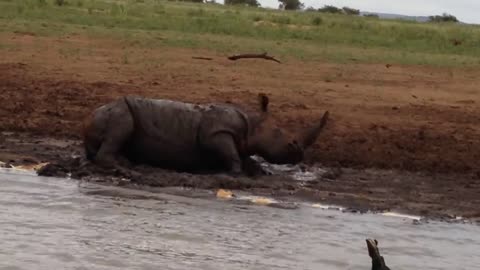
201 58
253 55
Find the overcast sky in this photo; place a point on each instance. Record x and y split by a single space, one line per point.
467 11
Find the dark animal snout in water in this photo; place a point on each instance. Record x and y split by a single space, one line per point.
378 263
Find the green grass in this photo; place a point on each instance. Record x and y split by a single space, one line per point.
303 35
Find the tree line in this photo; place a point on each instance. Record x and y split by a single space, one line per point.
296 5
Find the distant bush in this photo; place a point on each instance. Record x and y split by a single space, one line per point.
336 10
193 1
351 11
317 21
252 3
257 18
42 2
330 9
60 2
291 4
443 18
371 15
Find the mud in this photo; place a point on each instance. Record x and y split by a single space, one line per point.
432 196
413 137
403 138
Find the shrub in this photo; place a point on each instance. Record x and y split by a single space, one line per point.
257 18
371 15
252 3
60 2
291 4
317 20
351 11
443 18
330 9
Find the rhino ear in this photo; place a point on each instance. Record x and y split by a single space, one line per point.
263 102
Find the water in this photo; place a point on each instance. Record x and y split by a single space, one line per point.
49 223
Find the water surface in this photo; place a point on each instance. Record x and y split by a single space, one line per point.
50 223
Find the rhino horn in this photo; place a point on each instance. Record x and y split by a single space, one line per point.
310 135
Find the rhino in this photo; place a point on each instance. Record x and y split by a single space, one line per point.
190 137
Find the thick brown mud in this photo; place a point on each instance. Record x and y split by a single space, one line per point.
413 137
429 195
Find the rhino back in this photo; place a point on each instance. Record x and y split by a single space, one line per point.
165 131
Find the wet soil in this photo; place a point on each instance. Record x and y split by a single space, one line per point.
436 196
409 135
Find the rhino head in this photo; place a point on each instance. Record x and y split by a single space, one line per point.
276 145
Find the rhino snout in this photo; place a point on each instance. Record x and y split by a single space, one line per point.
291 153
295 147
295 152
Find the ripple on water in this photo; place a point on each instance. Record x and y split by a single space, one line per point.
57 224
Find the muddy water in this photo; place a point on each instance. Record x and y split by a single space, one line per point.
49 223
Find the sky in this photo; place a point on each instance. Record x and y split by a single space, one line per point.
466 11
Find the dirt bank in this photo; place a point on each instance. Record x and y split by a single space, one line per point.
423 121
435 138
410 118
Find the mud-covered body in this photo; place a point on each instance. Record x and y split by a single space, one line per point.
181 136
178 135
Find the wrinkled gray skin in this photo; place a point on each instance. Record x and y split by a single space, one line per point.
190 137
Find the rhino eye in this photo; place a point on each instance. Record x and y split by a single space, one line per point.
277 133
292 147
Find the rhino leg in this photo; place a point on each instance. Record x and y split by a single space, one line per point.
224 146
110 147
108 131
252 167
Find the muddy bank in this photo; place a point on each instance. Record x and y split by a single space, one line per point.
434 196
417 126
413 136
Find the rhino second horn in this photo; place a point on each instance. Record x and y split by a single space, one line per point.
310 136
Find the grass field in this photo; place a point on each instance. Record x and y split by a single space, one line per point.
302 35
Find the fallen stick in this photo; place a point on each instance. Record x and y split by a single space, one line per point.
253 55
202 58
